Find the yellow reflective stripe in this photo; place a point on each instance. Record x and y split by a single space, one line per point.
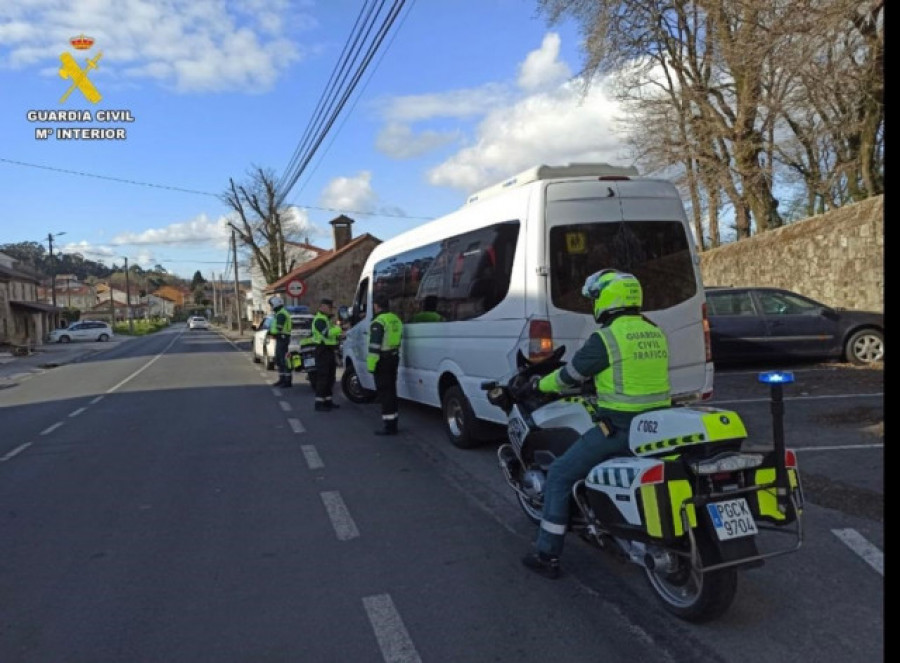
662 508
679 492
724 426
661 445
767 500
651 511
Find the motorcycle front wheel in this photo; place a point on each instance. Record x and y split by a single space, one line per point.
693 596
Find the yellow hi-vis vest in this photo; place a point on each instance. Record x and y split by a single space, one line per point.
387 341
637 378
330 337
282 323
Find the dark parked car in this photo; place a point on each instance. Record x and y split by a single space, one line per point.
749 324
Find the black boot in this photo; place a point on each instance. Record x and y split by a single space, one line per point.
542 564
390 428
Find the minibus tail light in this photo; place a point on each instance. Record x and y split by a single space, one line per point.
706 342
540 340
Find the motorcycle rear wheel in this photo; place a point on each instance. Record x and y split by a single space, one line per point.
692 596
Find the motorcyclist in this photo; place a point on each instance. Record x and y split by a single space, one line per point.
628 359
281 330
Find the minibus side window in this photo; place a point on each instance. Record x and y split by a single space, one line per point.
458 278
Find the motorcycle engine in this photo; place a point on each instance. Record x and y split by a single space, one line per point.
533 482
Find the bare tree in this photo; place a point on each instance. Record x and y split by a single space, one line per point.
743 96
261 226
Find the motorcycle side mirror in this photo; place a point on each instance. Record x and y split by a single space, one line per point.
343 313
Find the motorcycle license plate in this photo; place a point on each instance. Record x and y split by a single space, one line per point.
732 519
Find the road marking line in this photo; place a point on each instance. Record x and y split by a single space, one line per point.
714 402
77 412
393 638
15 452
296 426
285 406
145 366
343 524
52 428
313 460
857 543
97 400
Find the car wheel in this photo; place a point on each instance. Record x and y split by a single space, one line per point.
459 419
64 339
352 388
103 338
865 346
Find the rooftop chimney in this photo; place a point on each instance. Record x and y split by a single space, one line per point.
342 231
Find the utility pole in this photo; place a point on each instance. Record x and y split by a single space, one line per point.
128 300
50 237
215 301
237 303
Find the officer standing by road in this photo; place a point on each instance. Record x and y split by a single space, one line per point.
325 336
281 330
385 333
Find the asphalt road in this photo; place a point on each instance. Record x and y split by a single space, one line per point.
161 502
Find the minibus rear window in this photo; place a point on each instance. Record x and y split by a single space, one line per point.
656 252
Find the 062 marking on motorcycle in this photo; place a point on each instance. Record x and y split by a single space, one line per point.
732 519
648 426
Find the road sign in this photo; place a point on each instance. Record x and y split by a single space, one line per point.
296 288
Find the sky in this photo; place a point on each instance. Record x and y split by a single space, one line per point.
460 95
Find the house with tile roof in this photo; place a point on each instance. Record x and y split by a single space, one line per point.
24 319
333 274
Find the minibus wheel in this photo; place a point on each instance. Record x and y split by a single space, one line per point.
459 419
352 389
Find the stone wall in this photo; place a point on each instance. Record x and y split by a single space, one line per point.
836 258
338 279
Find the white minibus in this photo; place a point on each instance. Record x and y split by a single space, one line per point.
505 272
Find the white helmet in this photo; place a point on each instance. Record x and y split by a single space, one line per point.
275 301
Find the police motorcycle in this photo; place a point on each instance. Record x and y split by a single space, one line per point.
686 503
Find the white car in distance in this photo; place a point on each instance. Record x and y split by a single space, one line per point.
83 330
198 322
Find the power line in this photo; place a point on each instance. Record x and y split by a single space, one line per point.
298 164
202 193
353 106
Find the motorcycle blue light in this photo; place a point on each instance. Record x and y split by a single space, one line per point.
776 377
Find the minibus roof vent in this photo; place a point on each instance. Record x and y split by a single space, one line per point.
545 172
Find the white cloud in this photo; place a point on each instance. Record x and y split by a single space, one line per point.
555 128
542 68
455 103
350 194
398 141
200 230
189 45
